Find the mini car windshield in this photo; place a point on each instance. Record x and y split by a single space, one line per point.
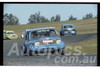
43 33
68 26
10 33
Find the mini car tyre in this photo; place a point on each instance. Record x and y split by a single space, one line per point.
8 38
30 53
61 34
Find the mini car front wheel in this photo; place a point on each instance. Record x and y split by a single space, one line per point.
8 38
31 52
61 34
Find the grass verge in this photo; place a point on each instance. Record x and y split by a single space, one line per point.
88 47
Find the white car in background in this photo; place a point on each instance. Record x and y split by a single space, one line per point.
24 33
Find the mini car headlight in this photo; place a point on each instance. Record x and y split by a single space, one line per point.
37 44
58 41
72 31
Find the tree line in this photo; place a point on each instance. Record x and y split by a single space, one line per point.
10 19
37 18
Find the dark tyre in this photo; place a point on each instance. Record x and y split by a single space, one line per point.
8 38
61 34
52 52
36 53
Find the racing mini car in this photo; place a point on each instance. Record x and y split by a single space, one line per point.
67 29
42 40
11 35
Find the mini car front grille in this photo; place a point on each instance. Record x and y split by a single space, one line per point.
48 43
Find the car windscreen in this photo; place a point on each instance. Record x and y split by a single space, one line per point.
43 33
69 26
10 33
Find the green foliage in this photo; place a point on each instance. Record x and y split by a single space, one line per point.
72 18
54 19
10 19
37 18
88 46
88 16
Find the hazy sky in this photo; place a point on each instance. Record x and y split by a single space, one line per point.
23 11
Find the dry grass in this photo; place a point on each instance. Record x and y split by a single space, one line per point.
88 47
82 26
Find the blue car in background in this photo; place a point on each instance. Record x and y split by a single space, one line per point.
67 29
42 40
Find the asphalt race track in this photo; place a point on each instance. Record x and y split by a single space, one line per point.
45 60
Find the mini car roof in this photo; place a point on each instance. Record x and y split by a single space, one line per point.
67 24
40 28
